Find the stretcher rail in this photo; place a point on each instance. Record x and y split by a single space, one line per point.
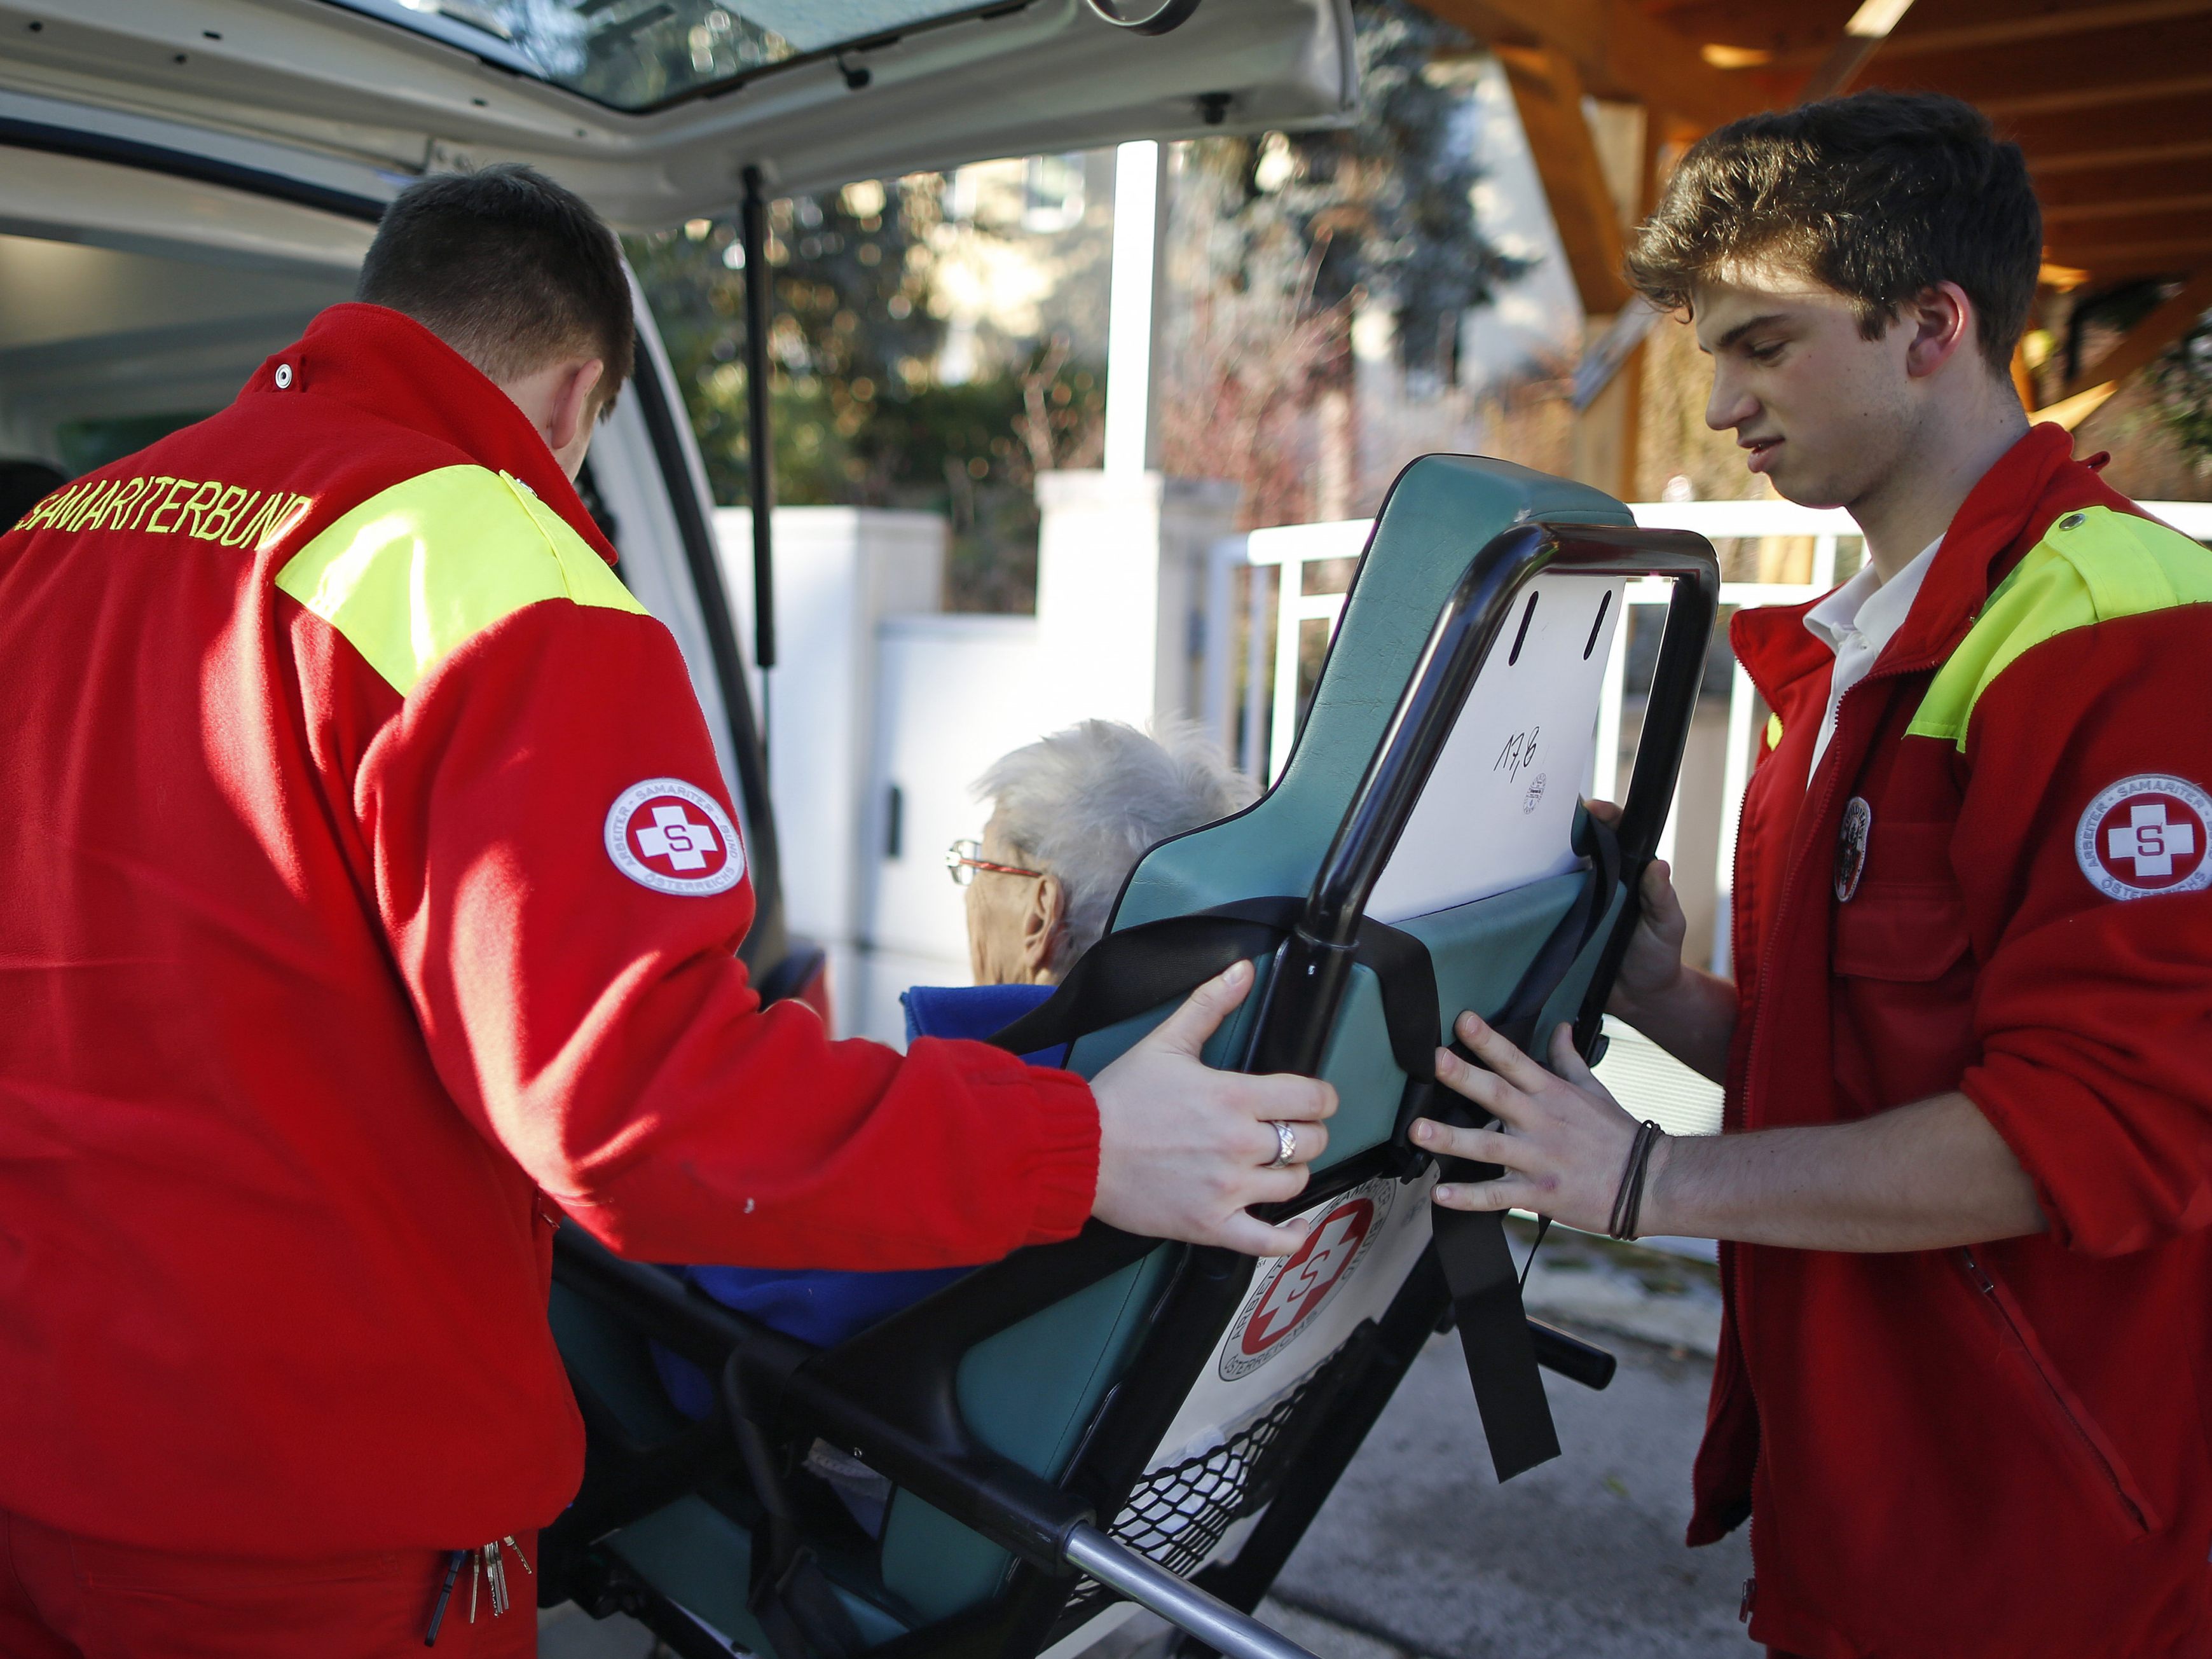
1189 1608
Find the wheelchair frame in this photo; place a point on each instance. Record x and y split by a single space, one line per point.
912 1431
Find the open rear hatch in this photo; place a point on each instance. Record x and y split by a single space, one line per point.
654 108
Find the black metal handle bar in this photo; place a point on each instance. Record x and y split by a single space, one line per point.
1314 965
1570 1357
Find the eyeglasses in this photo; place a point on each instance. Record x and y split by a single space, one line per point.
960 863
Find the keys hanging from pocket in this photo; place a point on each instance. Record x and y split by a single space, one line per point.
496 1577
487 1579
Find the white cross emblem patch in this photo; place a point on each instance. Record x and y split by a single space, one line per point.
674 837
2150 840
2146 835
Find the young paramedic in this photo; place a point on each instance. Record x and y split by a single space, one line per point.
372 896
1964 1384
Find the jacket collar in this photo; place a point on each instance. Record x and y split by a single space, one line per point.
2031 483
389 366
2002 515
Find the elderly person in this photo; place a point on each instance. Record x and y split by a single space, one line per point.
1071 815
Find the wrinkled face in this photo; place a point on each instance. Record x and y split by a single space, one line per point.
1001 920
1824 412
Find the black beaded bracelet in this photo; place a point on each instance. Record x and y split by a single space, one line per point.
1628 1198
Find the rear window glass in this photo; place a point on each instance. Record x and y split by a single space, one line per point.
640 54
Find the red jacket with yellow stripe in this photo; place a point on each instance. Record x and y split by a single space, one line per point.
373 892
1996 882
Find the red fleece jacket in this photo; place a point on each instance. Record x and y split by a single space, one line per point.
2000 1451
373 892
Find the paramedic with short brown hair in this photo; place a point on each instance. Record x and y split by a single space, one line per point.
1965 1179
373 898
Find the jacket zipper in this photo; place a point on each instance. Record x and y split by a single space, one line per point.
1790 880
1988 1287
1733 1297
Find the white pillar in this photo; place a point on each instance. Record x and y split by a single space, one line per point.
1120 581
1129 312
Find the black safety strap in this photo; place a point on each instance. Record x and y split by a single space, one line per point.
1471 1245
1137 969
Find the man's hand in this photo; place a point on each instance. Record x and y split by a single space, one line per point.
1564 1141
1688 1013
1924 1177
1652 967
1182 1148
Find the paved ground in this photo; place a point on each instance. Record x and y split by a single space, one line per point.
1421 1555
1581 1558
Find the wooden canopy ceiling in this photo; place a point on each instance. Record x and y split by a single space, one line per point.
2110 99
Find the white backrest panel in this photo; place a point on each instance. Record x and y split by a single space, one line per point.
1498 811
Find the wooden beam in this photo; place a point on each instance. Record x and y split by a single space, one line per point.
2070 412
1955 26
2112 264
2076 71
2147 340
1863 34
2004 22
2090 191
2155 209
2023 378
2062 140
2048 169
1619 51
1548 91
1802 30
2116 98
2134 230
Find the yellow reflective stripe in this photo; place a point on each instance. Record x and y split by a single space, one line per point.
2090 566
412 574
1774 731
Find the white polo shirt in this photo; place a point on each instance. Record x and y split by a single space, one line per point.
1856 622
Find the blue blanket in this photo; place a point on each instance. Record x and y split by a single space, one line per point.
823 1306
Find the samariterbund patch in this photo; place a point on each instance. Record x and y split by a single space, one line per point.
208 509
674 837
2146 835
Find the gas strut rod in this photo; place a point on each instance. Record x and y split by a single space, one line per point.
760 453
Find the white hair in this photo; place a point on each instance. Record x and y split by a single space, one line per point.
1085 804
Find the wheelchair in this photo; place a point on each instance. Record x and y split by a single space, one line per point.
1010 1466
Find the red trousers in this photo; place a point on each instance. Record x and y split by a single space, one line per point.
66 1597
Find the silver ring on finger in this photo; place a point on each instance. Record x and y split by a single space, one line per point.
1286 1145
